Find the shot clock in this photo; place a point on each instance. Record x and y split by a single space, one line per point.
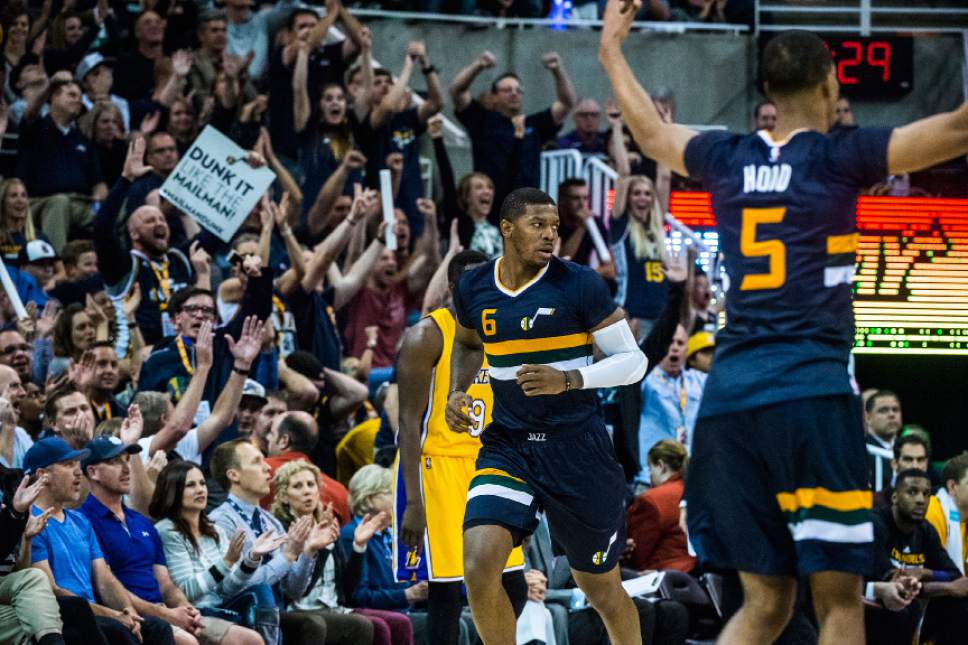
870 67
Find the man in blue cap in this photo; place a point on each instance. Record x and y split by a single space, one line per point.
132 546
67 550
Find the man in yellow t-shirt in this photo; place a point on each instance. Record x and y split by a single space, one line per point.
948 509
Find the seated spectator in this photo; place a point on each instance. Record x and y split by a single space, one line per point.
211 57
702 314
80 260
67 550
17 29
949 505
206 564
907 551
17 354
248 32
39 260
586 138
371 496
60 200
844 114
491 129
68 414
95 73
883 420
253 398
671 394
76 330
16 221
910 451
14 440
241 470
104 379
297 496
30 83
662 623
653 517
764 116
699 351
638 243
104 126
290 438
28 610
183 124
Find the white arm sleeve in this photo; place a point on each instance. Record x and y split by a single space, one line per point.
624 362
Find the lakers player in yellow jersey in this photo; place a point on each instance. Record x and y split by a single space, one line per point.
435 467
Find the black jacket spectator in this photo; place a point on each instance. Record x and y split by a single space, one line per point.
45 146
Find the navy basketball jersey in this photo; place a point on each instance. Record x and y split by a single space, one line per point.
547 322
785 214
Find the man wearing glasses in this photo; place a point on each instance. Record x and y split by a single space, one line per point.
508 159
586 138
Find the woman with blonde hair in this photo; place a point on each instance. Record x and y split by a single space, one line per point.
638 240
370 496
16 223
653 516
297 494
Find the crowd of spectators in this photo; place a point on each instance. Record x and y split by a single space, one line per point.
196 436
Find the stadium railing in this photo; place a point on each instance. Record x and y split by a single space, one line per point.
863 16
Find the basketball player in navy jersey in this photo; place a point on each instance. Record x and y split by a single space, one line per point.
536 318
778 485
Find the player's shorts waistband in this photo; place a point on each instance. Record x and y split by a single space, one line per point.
542 434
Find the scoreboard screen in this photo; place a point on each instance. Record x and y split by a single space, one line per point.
911 285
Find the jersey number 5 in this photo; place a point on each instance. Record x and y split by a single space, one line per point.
772 249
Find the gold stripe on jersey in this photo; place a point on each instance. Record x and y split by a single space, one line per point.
437 437
528 345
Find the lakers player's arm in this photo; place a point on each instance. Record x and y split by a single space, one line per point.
419 353
664 142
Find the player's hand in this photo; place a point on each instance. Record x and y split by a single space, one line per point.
617 21
539 380
458 420
413 525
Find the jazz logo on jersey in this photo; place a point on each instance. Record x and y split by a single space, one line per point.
598 558
766 179
413 558
528 323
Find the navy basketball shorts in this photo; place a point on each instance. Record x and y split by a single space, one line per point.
571 474
782 489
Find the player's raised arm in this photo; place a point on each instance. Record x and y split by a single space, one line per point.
664 142
465 361
929 141
419 352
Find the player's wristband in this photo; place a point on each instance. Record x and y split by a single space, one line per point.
944 576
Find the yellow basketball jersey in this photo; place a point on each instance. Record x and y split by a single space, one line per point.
436 437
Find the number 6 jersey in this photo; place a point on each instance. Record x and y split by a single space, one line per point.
785 213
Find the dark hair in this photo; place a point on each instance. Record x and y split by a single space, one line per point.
179 298
150 141
516 204
223 459
55 395
382 71
63 343
58 85
760 106
955 469
911 438
793 61
166 502
26 61
460 262
211 16
501 78
571 182
73 250
305 363
910 473
301 435
879 394
295 13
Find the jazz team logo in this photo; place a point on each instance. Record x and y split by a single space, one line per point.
598 558
528 322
